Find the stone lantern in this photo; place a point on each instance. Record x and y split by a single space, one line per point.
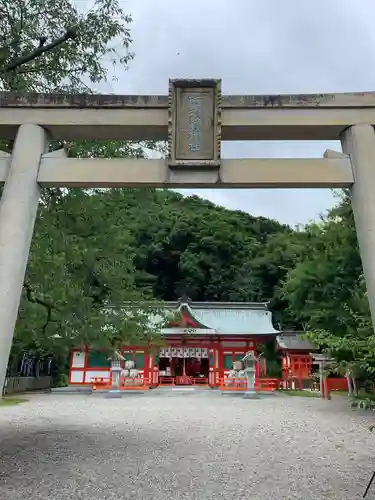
249 361
115 372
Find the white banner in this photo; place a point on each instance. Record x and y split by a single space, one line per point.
180 352
183 352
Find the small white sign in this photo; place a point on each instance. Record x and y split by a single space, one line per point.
78 360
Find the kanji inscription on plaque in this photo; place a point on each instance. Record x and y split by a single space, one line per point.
194 123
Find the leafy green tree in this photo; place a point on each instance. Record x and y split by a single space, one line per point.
79 276
326 292
356 348
71 275
103 38
101 48
325 278
81 258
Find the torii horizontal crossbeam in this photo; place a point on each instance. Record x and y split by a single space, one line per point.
254 173
244 117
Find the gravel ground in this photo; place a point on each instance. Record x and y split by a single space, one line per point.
183 446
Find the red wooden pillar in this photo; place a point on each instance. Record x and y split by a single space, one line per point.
146 364
211 366
221 363
86 363
257 371
293 371
264 367
154 370
284 370
325 388
300 364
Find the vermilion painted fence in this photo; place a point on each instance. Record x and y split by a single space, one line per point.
233 384
183 380
240 384
267 384
101 383
126 383
337 384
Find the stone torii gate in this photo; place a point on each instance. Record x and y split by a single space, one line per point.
194 118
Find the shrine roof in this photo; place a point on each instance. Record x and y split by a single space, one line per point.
293 341
209 318
224 317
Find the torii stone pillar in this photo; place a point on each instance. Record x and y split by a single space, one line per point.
359 142
18 209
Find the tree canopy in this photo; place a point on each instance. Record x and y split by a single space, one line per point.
326 292
79 262
103 41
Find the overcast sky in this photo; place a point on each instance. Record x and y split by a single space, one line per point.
256 47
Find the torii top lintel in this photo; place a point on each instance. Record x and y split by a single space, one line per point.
39 100
164 117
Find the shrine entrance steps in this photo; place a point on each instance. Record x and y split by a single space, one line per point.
182 388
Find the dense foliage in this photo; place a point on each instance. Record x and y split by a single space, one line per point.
75 66
326 291
190 246
72 273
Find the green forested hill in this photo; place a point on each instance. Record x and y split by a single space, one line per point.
190 246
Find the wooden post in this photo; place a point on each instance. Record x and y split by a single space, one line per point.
321 379
349 381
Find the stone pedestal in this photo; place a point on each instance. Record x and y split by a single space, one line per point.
113 394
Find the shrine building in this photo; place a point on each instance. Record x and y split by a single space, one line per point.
296 359
201 344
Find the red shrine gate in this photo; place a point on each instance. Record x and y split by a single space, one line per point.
296 360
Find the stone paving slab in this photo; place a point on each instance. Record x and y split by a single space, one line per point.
174 447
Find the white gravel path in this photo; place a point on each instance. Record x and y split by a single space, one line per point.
183 446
